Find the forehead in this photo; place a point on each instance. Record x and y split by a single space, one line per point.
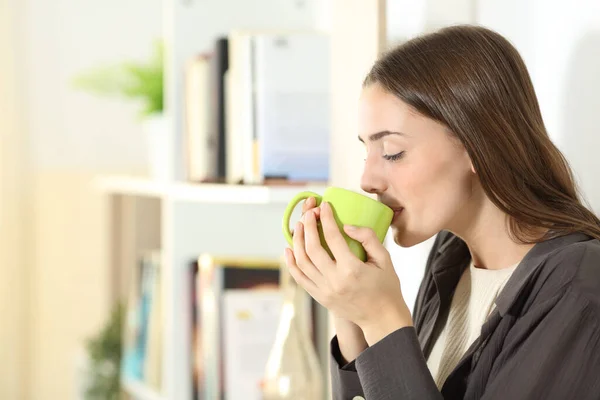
376 104
380 110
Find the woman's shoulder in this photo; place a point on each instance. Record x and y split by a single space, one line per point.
577 252
575 267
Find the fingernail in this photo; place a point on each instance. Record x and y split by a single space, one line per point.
350 228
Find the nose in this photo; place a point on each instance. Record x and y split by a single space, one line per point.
373 178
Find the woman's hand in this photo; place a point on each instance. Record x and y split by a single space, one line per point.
351 339
366 293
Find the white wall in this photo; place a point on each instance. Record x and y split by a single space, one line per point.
74 129
14 215
408 18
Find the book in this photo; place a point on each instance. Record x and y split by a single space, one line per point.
277 107
219 67
201 140
154 337
250 319
142 347
217 277
240 109
292 106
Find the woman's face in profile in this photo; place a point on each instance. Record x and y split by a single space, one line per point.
415 166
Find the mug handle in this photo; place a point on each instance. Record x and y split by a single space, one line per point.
290 208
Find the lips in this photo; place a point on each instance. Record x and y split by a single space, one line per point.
395 208
397 212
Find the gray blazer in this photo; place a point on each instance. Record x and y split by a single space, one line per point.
541 342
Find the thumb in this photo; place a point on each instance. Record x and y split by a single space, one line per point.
369 240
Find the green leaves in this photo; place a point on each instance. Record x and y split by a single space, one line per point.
104 352
129 80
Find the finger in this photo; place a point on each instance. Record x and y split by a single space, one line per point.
334 238
314 248
375 250
317 212
299 276
308 204
302 259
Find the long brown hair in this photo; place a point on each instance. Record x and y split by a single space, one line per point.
472 80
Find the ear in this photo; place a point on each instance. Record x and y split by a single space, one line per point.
471 166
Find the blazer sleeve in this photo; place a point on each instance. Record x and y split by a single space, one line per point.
345 382
393 368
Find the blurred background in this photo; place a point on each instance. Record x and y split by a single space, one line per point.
148 149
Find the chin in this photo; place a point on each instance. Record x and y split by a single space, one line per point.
405 238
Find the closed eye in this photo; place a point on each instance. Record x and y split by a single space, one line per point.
393 157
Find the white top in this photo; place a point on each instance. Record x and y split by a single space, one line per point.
472 303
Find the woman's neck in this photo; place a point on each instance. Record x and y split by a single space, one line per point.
484 229
491 246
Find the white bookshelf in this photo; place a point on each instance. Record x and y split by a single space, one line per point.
185 220
229 220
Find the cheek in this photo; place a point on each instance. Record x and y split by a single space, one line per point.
448 191
432 191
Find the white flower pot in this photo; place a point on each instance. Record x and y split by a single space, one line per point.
157 131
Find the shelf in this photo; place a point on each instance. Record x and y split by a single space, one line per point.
203 193
130 185
139 391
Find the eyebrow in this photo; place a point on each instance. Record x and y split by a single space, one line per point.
380 135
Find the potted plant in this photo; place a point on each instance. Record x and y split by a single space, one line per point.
100 364
140 82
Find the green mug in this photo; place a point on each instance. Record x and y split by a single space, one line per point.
349 208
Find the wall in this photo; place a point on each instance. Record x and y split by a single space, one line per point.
72 129
408 18
74 137
14 216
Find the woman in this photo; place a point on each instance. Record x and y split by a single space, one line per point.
509 306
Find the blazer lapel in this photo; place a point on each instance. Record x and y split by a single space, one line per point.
453 260
456 383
